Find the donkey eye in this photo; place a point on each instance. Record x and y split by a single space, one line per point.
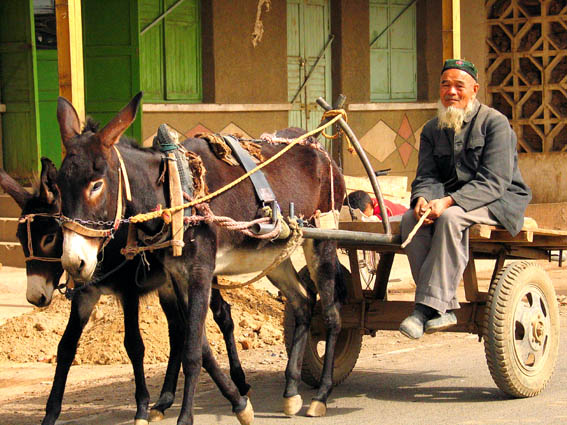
96 186
47 241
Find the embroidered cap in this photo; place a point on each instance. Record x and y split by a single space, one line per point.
461 64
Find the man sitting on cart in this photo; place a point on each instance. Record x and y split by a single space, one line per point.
467 174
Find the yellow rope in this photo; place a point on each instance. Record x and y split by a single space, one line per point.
139 218
334 113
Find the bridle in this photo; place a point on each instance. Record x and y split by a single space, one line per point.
28 218
78 225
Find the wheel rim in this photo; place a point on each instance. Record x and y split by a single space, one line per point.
317 344
367 266
531 330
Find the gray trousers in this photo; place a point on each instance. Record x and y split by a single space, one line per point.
439 253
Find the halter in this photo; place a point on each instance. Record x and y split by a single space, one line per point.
28 218
75 225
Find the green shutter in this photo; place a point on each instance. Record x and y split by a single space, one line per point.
393 56
18 71
308 28
111 59
170 51
151 51
183 52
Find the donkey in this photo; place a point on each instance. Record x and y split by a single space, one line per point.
89 181
42 248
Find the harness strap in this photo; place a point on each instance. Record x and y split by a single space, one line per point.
261 186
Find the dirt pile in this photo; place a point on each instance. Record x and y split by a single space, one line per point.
34 336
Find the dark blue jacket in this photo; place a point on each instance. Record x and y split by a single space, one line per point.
477 167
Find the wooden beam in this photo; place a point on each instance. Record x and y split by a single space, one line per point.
70 53
451 29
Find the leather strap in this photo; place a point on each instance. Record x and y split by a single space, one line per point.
263 189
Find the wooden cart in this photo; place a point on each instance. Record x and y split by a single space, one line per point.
518 317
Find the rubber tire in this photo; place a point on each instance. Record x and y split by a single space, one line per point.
349 344
504 296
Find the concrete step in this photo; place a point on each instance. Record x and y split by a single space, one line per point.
12 255
8 207
8 228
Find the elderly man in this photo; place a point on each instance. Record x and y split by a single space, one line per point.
467 173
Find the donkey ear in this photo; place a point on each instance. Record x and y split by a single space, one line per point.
48 190
112 131
69 123
14 189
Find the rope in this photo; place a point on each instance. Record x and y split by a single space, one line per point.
293 242
139 218
334 113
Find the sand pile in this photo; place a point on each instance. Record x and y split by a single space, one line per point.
34 336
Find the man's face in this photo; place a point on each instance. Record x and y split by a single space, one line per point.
457 88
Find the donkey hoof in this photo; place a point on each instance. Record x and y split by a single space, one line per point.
316 409
156 415
292 405
246 417
140 422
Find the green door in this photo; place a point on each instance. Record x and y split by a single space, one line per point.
308 29
18 71
48 92
111 59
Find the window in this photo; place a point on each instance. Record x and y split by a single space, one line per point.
170 50
393 53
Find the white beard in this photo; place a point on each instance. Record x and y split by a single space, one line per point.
451 116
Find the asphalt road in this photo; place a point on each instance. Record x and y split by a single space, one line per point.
441 379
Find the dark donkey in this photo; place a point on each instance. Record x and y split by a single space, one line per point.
42 242
89 181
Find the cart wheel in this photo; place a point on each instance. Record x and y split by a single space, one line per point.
521 329
368 267
347 350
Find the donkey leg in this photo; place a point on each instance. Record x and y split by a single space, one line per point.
134 346
176 328
241 406
81 309
323 266
223 318
285 278
200 278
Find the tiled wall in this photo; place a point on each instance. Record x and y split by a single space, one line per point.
390 140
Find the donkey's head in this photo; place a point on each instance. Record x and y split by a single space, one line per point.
39 234
89 180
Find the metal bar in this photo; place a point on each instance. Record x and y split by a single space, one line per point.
327 44
350 236
365 163
392 23
160 17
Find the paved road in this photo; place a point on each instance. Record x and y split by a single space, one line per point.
442 379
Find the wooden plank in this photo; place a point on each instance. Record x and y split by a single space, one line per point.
470 281
354 290
176 194
451 33
480 231
369 226
70 53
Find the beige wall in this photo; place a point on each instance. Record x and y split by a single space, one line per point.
236 71
546 175
351 50
473 39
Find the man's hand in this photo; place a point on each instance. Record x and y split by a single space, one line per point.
438 206
420 208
